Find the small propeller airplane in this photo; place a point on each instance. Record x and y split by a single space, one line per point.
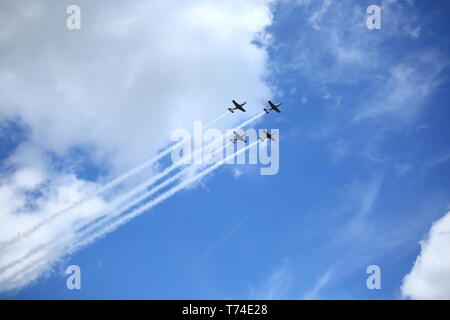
268 136
237 137
272 107
237 106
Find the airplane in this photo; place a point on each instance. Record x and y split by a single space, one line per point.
238 137
268 136
237 106
272 107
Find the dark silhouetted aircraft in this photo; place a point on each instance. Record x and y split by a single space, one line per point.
272 107
237 106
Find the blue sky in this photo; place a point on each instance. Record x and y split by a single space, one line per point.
364 167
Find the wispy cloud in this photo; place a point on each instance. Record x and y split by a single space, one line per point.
315 17
407 88
324 279
277 285
440 159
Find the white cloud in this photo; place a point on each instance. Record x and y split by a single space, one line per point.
430 275
114 89
131 74
21 211
28 178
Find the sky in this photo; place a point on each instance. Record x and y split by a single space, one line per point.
364 152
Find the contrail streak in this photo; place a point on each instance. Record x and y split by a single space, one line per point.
92 225
217 119
124 219
18 279
142 197
6 243
250 120
113 226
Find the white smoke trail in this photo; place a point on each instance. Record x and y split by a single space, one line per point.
142 197
249 121
6 243
92 225
134 191
113 226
